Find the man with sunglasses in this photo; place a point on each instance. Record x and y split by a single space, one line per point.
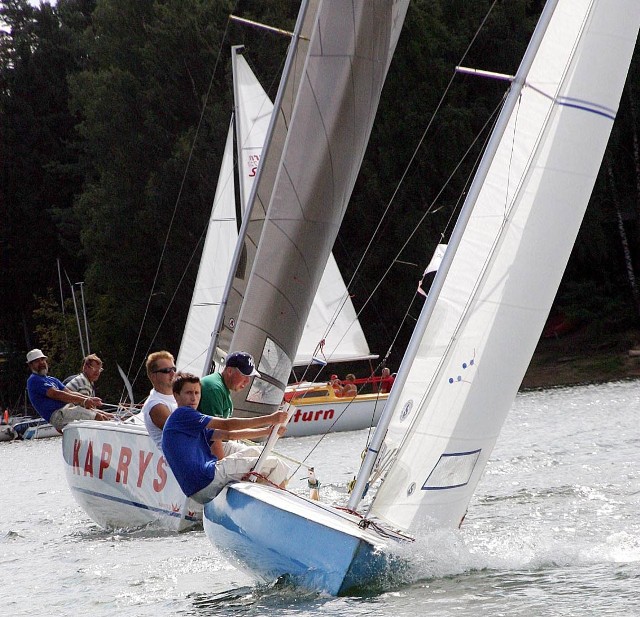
217 387
84 382
161 370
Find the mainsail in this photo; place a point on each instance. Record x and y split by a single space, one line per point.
324 114
332 319
217 253
493 292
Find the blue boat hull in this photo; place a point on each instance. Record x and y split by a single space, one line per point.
273 533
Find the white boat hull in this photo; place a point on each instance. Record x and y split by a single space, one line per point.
7 433
331 414
274 533
121 480
41 431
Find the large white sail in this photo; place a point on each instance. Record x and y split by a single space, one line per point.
334 102
502 278
217 253
333 317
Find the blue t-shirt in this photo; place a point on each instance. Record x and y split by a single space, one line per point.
186 446
37 386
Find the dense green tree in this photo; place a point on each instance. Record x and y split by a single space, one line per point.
114 115
39 48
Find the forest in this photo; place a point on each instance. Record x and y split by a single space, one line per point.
114 116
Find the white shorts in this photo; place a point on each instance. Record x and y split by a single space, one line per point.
238 461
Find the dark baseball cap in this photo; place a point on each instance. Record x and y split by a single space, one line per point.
243 362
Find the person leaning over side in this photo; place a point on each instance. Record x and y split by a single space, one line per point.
217 387
192 444
161 371
56 403
84 382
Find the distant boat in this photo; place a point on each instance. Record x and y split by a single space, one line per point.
6 432
319 410
34 428
485 309
41 431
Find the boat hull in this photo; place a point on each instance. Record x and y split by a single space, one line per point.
273 533
121 480
7 433
331 414
41 431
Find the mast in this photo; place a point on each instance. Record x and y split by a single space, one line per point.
456 237
288 68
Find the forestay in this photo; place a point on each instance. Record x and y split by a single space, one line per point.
502 278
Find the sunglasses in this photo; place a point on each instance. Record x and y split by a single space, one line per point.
166 371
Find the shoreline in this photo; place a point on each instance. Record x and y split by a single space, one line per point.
581 358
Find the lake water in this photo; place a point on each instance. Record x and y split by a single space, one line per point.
553 530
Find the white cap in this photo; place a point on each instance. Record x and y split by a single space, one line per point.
35 354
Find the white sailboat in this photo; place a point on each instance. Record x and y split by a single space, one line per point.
481 321
121 480
332 318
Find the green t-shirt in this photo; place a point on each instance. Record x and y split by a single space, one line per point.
216 398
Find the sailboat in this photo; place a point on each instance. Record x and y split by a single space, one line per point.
332 318
478 327
114 470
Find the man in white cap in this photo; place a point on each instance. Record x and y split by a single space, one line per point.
217 387
54 401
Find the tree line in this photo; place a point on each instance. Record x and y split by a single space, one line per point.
114 116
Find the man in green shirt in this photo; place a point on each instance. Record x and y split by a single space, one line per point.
217 387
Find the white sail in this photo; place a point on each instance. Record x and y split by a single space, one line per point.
502 278
332 331
217 253
333 100
253 109
333 317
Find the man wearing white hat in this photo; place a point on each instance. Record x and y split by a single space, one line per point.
56 403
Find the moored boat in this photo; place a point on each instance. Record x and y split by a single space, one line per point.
42 430
6 432
33 428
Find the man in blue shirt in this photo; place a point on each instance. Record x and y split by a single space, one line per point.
195 445
56 403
